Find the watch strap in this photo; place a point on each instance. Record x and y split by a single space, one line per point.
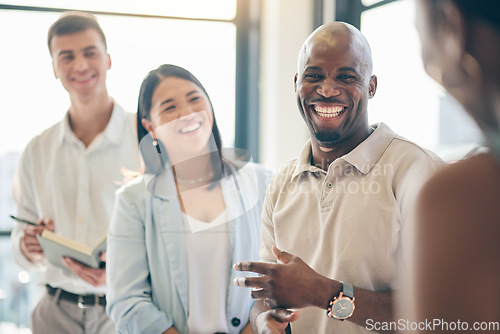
347 289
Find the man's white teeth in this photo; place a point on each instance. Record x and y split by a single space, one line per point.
328 111
84 79
190 128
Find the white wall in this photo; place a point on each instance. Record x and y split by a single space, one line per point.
285 25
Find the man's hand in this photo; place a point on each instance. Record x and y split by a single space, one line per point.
274 321
171 330
30 247
96 277
289 284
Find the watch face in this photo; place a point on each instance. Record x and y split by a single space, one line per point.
342 308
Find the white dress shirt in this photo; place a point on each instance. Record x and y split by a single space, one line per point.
59 178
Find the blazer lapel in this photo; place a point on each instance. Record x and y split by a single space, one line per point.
167 215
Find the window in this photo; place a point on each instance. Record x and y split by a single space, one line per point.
409 101
212 9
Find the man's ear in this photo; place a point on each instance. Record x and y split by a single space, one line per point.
109 61
54 69
372 86
295 81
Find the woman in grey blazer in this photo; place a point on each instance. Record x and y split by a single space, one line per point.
178 228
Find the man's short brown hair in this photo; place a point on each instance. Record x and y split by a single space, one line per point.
72 22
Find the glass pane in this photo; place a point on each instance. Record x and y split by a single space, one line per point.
369 2
411 103
19 293
210 9
33 99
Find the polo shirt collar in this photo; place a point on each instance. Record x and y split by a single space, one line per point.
364 157
304 161
368 153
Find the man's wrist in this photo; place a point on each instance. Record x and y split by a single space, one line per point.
325 292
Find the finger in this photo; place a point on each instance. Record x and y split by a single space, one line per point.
90 275
95 277
32 248
73 265
284 315
256 267
103 256
47 223
32 231
50 225
282 256
251 282
263 294
69 263
31 244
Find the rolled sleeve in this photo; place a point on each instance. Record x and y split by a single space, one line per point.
22 192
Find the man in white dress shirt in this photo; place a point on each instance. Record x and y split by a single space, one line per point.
67 176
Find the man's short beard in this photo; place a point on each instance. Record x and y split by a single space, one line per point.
327 137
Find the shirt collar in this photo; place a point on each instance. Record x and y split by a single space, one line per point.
363 157
304 161
368 153
112 132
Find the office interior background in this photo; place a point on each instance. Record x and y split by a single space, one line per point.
243 51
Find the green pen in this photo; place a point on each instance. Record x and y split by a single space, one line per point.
24 221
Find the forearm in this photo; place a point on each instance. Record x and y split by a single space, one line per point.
369 305
373 306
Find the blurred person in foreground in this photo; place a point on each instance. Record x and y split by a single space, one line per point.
457 248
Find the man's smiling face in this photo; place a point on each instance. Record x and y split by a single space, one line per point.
333 85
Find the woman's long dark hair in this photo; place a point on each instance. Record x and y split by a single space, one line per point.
149 84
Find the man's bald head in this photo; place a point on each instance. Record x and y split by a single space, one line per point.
328 35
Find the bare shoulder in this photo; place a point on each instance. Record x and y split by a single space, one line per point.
461 203
457 234
475 181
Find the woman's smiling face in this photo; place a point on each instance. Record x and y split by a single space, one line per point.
181 117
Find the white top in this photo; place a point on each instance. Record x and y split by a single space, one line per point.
208 252
59 178
347 222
